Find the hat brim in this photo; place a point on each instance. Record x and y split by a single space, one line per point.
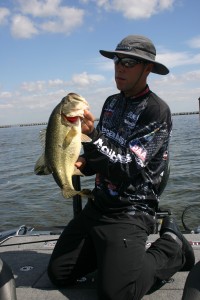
158 68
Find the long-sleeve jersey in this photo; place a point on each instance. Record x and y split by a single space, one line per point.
129 152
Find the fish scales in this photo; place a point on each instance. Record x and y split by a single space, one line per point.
63 143
55 151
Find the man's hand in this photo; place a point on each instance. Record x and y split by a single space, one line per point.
81 162
87 122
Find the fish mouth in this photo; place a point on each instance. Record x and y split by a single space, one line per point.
69 119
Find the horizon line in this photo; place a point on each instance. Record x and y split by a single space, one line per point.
45 123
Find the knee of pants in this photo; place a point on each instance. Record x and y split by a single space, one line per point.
60 277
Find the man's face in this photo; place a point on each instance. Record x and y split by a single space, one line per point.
130 78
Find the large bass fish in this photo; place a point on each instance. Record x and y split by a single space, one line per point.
63 143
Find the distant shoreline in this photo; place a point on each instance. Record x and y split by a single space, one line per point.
45 123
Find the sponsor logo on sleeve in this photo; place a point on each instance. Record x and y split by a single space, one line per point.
139 151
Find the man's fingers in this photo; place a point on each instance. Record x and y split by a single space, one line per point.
89 116
87 122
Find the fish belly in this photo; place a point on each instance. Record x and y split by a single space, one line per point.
72 153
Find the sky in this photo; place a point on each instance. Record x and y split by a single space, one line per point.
49 48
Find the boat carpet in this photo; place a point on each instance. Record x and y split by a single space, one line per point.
28 258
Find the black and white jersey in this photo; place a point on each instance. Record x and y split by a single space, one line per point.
129 151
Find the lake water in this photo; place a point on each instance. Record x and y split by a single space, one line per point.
36 200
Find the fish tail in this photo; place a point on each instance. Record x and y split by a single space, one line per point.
86 193
71 193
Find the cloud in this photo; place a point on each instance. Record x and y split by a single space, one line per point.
43 93
38 98
23 27
38 8
77 81
5 100
181 92
65 21
85 79
6 106
175 59
105 64
194 42
34 17
4 13
134 9
191 77
4 95
40 16
55 82
33 86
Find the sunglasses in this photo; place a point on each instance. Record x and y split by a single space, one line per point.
126 62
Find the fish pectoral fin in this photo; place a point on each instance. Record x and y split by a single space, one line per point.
68 138
77 172
85 138
40 166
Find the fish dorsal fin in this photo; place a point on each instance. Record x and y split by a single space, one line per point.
43 137
85 138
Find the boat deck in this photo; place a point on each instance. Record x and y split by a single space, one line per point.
28 256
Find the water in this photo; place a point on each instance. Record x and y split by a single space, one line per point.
36 200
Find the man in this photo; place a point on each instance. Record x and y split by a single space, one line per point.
128 153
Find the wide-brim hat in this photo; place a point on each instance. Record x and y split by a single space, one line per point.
140 47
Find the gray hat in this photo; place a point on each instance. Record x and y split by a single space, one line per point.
140 47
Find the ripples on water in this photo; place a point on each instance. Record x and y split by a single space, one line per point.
36 200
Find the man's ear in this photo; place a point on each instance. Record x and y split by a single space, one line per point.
149 67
